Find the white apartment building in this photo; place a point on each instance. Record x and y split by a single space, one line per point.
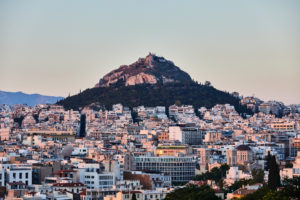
234 174
19 174
292 172
94 177
186 135
181 169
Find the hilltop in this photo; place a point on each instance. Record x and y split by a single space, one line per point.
151 81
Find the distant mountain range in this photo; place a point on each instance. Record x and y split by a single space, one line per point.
150 81
11 98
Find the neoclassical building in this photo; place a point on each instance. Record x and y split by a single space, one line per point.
244 155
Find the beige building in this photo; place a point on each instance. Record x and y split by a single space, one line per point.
4 132
244 155
231 157
283 126
171 150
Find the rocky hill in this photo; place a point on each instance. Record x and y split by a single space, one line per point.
149 70
151 81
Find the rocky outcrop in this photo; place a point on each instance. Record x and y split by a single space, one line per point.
140 79
149 70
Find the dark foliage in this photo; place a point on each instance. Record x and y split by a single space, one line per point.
19 120
192 193
258 176
215 174
268 158
259 194
274 177
133 197
238 184
134 116
291 187
82 129
189 93
36 118
290 190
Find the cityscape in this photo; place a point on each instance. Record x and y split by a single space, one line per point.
152 128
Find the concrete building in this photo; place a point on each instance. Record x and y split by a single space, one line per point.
171 150
93 176
244 155
186 135
231 157
181 169
204 159
19 174
294 145
4 132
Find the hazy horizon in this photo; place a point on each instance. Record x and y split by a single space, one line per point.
58 48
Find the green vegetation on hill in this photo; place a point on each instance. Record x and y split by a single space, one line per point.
189 93
215 174
203 192
290 190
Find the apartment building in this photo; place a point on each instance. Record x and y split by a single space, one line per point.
19 174
181 169
186 135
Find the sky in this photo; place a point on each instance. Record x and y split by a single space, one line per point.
60 47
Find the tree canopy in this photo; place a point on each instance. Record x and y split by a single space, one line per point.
203 192
187 93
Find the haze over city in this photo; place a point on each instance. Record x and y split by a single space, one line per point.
61 47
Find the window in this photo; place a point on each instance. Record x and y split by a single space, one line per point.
26 175
14 175
20 175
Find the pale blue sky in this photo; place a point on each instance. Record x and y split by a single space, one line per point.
58 47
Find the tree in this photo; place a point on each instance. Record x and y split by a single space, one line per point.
178 103
274 177
258 175
268 158
290 190
82 126
289 165
167 111
192 192
215 174
134 116
291 187
273 195
238 184
207 83
133 197
221 184
224 168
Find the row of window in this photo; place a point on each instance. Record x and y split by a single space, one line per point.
100 183
20 175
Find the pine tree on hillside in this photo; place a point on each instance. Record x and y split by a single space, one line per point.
268 158
274 177
82 132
